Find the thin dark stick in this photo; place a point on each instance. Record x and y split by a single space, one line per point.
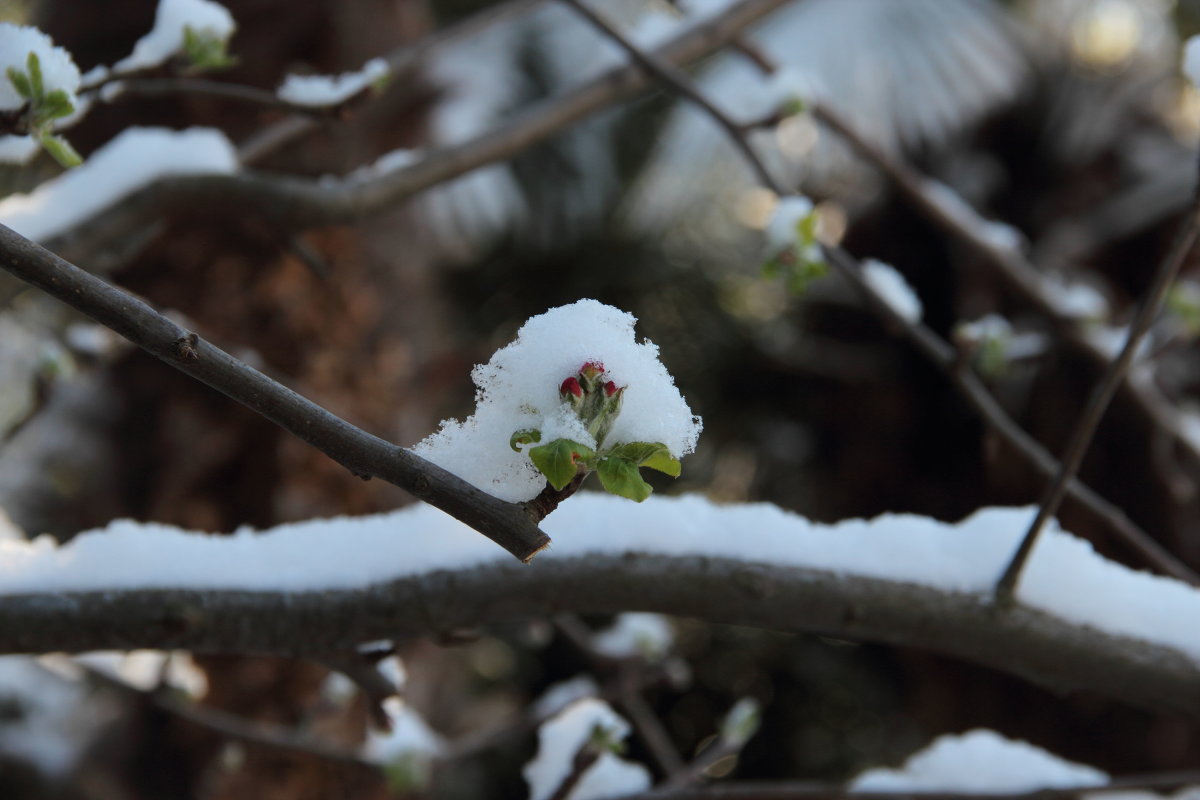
677 80
509 525
1102 395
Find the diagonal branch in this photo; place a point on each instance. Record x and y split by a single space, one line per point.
511 526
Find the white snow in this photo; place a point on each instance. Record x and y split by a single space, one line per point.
1191 60
165 39
18 149
979 761
393 669
560 695
58 68
410 736
1065 576
781 231
145 670
636 634
890 285
518 389
561 738
1075 299
1110 340
329 90
48 720
133 159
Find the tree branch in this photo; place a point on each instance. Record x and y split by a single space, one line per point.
306 203
1041 648
509 525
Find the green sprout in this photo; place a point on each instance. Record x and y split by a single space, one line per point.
43 108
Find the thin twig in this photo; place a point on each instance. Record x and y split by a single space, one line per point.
509 525
677 80
1102 395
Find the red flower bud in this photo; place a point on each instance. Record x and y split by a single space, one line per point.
571 387
591 368
610 389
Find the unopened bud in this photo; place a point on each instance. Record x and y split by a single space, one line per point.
610 389
591 369
571 388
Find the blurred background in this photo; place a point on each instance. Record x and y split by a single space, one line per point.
1064 119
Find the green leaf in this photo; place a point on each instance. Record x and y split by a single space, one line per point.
654 455
20 82
620 476
61 150
522 437
205 51
34 66
559 460
54 105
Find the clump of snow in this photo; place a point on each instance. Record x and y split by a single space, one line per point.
562 737
1191 60
166 38
18 149
636 634
329 90
410 737
147 669
392 668
893 288
58 68
1110 340
518 390
979 761
560 695
1065 577
781 231
789 85
46 720
133 159
1075 299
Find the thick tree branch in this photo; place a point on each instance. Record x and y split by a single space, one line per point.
509 525
306 203
1044 649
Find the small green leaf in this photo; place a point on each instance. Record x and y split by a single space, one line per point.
742 722
620 476
54 105
654 455
792 106
34 66
559 460
61 150
20 82
524 436
205 51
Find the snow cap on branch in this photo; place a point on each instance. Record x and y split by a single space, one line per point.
167 37
887 281
330 90
980 761
1191 60
57 67
519 389
782 228
584 723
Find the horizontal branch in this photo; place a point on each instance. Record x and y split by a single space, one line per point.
509 525
1044 649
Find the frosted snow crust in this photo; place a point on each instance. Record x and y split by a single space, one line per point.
518 389
980 761
1065 576
132 159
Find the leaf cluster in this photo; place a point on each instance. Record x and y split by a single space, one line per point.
43 108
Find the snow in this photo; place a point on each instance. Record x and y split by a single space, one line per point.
1191 60
329 90
560 695
48 721
410 736
18 149
165 39
890 285
781 231
1065 577
562 737
518 390
1075 300
58 68
145 670
134 158
635 635
979 761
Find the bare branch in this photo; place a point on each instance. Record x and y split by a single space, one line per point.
509 525
1044 649
1102 395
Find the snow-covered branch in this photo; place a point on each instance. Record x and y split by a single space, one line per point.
1080 623
509 525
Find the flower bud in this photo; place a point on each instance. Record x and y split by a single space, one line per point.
571 388
591 369
610 389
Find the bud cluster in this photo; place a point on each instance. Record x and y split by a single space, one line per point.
595 398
